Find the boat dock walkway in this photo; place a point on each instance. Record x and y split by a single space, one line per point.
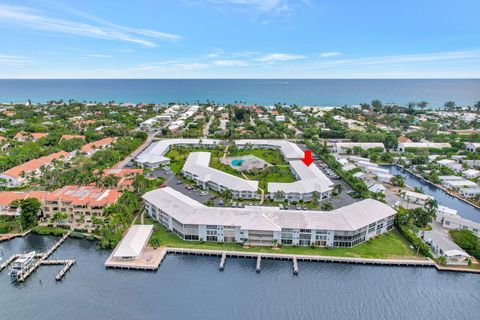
154 264
296 258
42 260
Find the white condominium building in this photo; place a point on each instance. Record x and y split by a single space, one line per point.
154 156
197 168
311 180
343 227
289 150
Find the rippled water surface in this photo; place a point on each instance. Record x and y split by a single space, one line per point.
190 287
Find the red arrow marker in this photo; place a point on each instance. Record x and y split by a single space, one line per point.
307 158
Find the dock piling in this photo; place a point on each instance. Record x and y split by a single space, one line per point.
259 262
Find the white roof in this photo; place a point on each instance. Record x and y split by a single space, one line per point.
198 164
417 195
378 169
471 172
452 253
289 149
363 145
156 151
461 183
438 145
450 178
445 161
377 188
134 241
311 179
352 217
447 210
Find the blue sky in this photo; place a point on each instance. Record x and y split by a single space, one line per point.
240 39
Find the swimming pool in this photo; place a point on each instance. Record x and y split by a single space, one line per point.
237 162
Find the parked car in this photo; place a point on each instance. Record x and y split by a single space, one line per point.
204 193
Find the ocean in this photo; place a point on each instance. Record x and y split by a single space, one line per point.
254 91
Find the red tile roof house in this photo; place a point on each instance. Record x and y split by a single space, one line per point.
126 177
80 203
26 136
92 147
9 197
71 137
17 176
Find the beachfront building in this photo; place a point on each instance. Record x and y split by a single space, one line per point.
92 147
197 168
343 147
343 227
80 204
18 175
311 183
133 243
402 147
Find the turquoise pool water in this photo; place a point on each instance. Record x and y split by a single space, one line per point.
237 162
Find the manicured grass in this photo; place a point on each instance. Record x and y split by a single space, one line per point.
279 172
388 246
42 230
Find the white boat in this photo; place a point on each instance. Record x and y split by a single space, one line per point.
21 264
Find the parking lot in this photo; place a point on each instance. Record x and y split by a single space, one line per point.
180 184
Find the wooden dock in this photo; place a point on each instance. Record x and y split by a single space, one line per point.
41 259
295 265
149 260
222 261
296 258
258 267
9 260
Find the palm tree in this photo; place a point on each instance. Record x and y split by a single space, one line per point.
227 194
422 104
431 206
449 105
397 180
279 195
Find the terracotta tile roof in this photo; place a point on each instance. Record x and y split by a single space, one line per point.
2 139
71 136
122 172
85 195
35 164
403 139
26 135
7 197
97 144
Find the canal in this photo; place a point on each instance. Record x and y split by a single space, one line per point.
464 209
191 287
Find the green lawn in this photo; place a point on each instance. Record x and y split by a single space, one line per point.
390 245
278 172
9 225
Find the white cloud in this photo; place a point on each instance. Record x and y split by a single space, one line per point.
257 5
400 59
13 60
329 54
229 63
98 56
273 57
36 19
191 65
